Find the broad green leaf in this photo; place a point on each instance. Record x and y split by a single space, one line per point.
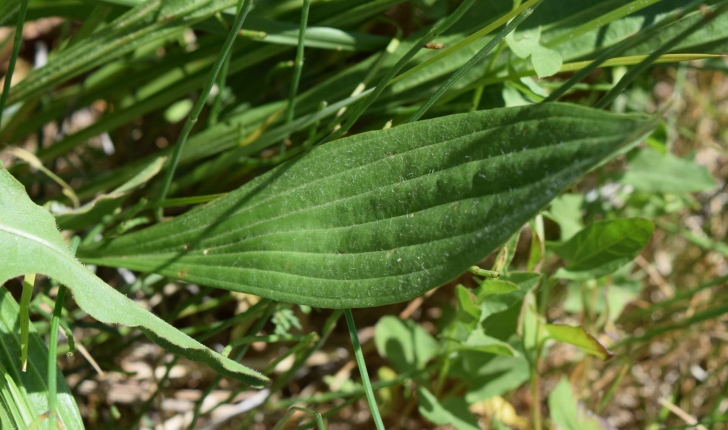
496 296
498 376
481 342
379 217
653 172
404 343
491 287
32 244
451 411
24 395
603 247
577 336
567 414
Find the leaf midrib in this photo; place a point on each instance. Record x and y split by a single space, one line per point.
349 171
587 257
103 260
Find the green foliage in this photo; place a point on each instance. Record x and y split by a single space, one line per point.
451 411
568 413
400 211
23 393
603 247
291 210
545 61
579 337
566 210
405 344
33 245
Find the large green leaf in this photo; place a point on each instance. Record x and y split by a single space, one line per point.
380 217
603 247
32 244
24 394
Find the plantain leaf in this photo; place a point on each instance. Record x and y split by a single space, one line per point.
32 244
380 217
24 394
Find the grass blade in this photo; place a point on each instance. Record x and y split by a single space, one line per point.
243 10
369 392
17 41
385 81
632 74
477 58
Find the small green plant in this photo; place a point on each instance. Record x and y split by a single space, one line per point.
328 163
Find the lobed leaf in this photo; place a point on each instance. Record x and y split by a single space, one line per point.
32 244
379 217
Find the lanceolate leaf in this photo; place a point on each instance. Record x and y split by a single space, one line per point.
380 217
31 244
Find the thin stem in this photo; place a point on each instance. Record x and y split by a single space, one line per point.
317 418
536 398
270 307
217 104
17 41
192 119
476 59
298 65
53 340
328 328
363 370
52 345
432 34
334 395
619 48
632 74
28 283
467 41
